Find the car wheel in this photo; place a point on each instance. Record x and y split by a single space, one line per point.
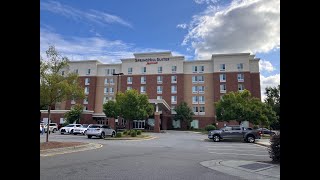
113 134
71 132
250 139
54 130
216 138
89 136
61 133
74 133
102 135
84 133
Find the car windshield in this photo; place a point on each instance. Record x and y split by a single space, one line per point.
85 125
95 126
69 125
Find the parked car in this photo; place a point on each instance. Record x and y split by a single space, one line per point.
82 129
234 132
266 131
69 128
100 130
53 127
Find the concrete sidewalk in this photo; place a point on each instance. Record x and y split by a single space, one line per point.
263 142
245 169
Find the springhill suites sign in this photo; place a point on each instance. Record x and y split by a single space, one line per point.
152 60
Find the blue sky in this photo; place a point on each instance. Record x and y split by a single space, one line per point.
113 29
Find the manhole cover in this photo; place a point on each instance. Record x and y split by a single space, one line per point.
255 166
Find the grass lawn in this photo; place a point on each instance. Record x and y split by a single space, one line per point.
54 144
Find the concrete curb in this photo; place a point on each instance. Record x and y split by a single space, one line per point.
56 151
131 139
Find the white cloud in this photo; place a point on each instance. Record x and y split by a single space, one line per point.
266 66
92 48
270 81
182 26
78 15
206 1
242 26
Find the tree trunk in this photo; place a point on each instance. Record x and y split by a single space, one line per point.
47 137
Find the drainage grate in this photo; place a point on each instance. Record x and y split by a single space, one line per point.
255 166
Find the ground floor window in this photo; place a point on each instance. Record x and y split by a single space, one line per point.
139 124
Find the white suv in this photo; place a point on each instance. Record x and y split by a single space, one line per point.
53 127
69 128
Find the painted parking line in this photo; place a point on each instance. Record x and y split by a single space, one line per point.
212 149
238 154
237 146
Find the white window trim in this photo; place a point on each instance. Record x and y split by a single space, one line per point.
85 102
174 82
160 72
202 113
201 92
86 81
223 91
129 82
222 70
145 80
173 102
194 82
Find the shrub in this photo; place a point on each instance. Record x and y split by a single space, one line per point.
133 134
124 132
191 127
255 127
139 132
210 127
119 134
274 149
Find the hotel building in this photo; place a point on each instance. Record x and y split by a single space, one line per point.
167 80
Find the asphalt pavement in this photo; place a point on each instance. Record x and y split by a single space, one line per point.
172 155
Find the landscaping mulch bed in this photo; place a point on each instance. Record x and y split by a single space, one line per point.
54 144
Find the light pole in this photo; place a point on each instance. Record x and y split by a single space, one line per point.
118 82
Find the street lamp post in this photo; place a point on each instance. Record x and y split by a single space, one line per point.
118 82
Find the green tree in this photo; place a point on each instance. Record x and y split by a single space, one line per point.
111 109
273 100
133 105
241 106
55 87
74 114
184 113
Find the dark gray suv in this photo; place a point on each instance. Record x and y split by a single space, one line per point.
234 132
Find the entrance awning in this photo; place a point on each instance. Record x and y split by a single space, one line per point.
161 103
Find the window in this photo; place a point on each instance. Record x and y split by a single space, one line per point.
105 90
194 99
129 80
106 81
159 79
201 89
143 70
111 81
129 70
194 69
88 71
129 87
172 110
195 109
202 110
222 77
85 101
76 71
143 89
143 79
240 77
240 66
173 89
240 87
62 73
174 69
222 67
173 99
86 90
159 97
194 79
113 71
111 90
201 69
87 81
159 89
107 71
194 89
201 100
174 79
223 88
160 69
201 79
